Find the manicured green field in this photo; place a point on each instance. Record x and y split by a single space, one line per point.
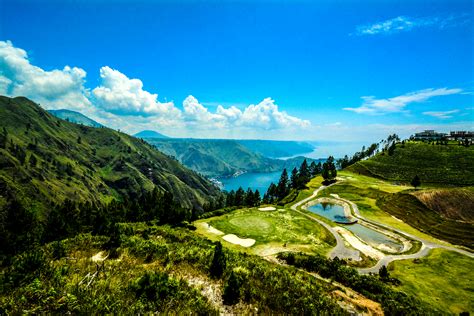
444 279
272 230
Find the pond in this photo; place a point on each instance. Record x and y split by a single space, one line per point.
331 211
374 238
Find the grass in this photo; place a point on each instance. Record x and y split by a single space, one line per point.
443 279
365 191
272 229
435 164
83 163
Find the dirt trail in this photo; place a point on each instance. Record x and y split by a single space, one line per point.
342 251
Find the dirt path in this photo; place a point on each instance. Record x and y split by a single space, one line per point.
340 251
426 245
343 252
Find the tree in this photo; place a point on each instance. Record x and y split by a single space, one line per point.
230 198
304 175
313 169
249 200
329 171
231 294
282 187
239 197
79 140
256 198
416 182
383 273
294 178
218 264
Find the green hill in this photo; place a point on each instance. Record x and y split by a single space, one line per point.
75 117
221 157
450 164
149 134
46 160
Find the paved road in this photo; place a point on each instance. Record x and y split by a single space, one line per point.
340 251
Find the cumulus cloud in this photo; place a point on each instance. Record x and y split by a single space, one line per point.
372 105
121 95
405 23
55 89
441 114
264 115
121 102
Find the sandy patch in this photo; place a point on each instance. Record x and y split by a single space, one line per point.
268 208
358 244
244 242
211 229
397 219
99 257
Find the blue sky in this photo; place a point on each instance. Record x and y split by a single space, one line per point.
350 70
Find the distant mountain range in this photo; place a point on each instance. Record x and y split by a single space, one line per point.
224 157
75 117
215 157
45 160
150 134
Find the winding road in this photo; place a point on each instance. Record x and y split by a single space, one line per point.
341 251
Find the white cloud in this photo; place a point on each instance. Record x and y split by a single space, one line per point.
372 105
264 115
405 23
54 89
121 102
121 95
441 114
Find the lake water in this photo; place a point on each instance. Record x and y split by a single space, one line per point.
253 180
373 237
333 212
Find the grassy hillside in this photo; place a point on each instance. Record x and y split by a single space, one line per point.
427 278
434 164
75 117
44 159
221 157
157 269
407 207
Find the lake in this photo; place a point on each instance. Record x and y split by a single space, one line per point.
253 180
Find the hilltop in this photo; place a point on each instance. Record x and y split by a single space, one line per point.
149 134
75 117
450 165
46 160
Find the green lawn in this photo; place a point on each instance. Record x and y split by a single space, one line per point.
444 279
272 229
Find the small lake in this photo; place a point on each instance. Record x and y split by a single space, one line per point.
253 180
333 212
374 238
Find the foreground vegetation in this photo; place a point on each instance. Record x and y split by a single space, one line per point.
155 269
443 278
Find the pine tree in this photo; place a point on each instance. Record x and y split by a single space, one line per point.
256 198
294 178
239 197
231 294
416 182
304 175
282 187
218 264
